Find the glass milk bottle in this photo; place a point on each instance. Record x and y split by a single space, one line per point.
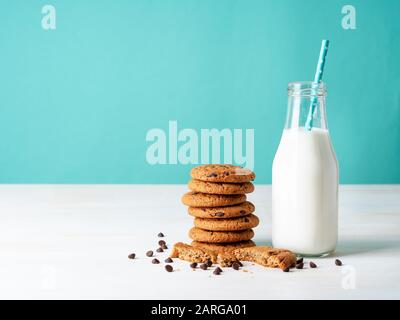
305 177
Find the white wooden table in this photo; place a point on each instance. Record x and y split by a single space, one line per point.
72 242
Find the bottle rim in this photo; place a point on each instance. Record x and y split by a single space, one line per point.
307 89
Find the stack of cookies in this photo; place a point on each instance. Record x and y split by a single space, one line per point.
223 218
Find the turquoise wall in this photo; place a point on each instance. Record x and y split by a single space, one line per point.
77 102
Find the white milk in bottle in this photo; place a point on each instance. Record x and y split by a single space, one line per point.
305 178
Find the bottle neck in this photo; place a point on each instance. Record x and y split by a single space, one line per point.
301 96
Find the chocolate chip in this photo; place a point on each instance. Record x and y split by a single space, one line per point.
132 256
160 250
212 175
312 264
160 235
236 265
164 246
299 261
193 265
217 271
300 265
242 211
209 263
203 266
286 270
169 260
149 253
169 268
338 262
246 220
155 261
217 214
161 242
240 264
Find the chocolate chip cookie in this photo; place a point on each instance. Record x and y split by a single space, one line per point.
239 210
193 254
223 247
201 235
197 199
222 173
220 188
232 224
267 256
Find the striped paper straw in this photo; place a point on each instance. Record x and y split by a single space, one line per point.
317 81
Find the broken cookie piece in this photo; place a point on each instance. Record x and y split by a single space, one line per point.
189 253
267 256
226 259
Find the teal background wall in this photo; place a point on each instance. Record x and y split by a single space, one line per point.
76 102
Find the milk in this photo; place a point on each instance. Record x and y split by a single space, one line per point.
305 192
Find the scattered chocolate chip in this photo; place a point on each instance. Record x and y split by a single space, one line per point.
209 263
149 253
161 242
169 260
169 268
155 261
160 235
213 174
240 264
203 266
338 262
300 265
193 265
236 265
299 260
217 271
164 246
286 270
160 250
132 256
312 264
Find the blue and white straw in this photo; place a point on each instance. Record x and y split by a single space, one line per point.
317 81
